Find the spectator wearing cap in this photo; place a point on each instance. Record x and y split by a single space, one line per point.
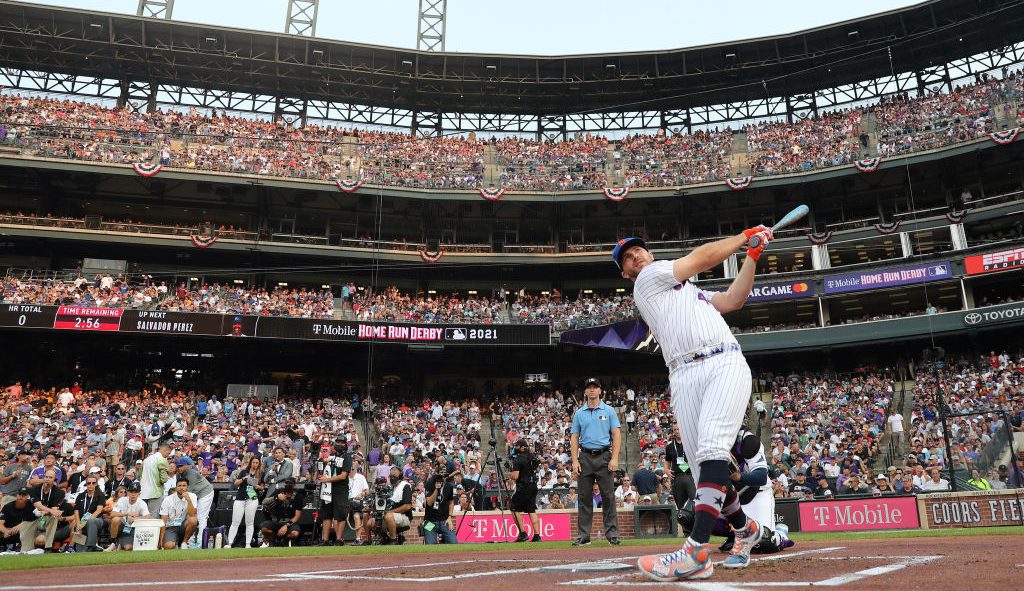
155 474
595 440
12 516
15 476
198 486
798 484
977 481
882 486
823 488
906 485
123 515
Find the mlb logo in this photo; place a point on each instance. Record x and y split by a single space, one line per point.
455 334
603 418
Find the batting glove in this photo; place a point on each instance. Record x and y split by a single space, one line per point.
755 230
755 253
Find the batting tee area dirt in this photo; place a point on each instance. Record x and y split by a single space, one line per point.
922 563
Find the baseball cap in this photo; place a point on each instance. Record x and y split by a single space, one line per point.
623 245
134 487
589 381
185 461
22 491
95 470
881 477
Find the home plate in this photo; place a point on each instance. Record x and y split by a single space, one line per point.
588 567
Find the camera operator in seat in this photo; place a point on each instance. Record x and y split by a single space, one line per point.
524 472
283 510
397 513
439 506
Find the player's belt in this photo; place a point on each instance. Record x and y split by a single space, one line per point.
701 354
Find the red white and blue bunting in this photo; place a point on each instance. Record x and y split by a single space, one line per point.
819 238
616 193
431 257
1005 137
203 240
868 164
956 217
888 228
492 193
347 185
146 169
739 183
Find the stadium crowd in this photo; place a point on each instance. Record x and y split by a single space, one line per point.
106 290
209 140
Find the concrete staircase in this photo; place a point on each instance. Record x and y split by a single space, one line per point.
739 156
615 177
869 125
887 457
492 166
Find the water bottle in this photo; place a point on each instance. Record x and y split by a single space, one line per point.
205 539
219 541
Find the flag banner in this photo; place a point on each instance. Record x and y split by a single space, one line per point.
956 217
146 169
492 193
888 228
431 257
1004 137
739 183
348 185
819 238
202 240
868 164
616 193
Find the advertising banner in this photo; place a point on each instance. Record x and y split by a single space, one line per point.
788 512
777 292
480 528
859 514
879 278
972 509
1009 313
995 261
172 322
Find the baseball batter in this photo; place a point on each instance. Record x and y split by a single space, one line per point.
709 380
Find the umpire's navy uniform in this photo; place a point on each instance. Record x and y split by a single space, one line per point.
594 428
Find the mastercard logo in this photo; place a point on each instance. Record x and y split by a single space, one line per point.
800 287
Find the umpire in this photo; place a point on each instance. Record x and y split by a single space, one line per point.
596 437
683 488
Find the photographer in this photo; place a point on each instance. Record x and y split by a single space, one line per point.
283 510
439 507
333 469
398 514
524 473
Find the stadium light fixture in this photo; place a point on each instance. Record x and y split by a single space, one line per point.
432 291
588 291
620 290
282 284
193 279
325 286
96 25
545 293
239 282
471 292
211 39
318 52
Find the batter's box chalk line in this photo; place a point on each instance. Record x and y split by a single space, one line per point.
897 563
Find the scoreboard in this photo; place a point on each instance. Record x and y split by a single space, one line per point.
98 319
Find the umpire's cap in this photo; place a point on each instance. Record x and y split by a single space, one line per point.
622 246
594 381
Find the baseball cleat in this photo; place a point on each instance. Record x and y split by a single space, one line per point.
746 538
692 561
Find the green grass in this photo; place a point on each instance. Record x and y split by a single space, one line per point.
9 563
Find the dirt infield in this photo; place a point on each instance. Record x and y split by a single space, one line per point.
920 563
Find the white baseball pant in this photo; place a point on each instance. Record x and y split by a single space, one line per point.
709 398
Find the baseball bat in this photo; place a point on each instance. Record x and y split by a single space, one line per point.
798 212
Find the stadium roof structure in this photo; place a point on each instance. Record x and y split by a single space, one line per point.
131 58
